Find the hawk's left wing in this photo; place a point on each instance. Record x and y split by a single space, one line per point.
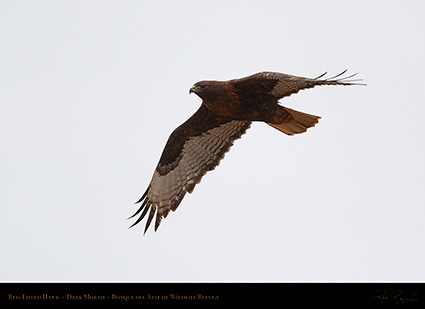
194 148
281 85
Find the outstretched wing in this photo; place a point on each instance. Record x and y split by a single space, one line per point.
194 148
281 85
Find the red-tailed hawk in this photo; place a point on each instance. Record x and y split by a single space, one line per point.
226 112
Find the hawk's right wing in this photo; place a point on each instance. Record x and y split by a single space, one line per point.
194 148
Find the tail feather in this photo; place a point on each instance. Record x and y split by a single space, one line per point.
292 122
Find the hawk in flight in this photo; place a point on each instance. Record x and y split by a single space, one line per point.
226 112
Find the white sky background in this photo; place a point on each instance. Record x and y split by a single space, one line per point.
91 90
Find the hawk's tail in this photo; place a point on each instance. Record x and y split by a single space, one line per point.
292 122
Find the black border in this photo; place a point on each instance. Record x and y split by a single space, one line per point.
202 294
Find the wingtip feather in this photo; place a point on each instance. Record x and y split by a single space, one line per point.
339 79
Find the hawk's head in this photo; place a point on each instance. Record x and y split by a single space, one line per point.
198 88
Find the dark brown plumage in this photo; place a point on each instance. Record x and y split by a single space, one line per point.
227 110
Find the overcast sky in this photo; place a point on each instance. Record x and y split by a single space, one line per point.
91 90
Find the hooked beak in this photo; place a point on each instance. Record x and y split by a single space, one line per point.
192 89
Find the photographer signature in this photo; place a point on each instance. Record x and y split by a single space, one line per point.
396 296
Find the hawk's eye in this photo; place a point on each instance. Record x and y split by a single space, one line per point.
201 86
